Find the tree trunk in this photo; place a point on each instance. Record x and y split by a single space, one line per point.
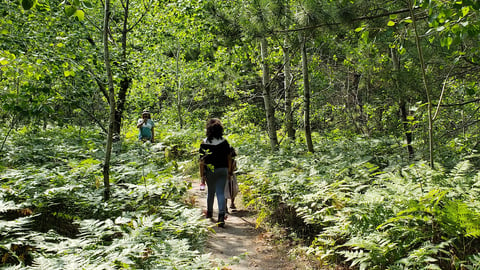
406 128
122 98
179 87
425 83
360 119
12 125
269 109
306 89
111 97
125 81
403 105
288 92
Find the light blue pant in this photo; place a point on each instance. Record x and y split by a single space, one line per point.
216 181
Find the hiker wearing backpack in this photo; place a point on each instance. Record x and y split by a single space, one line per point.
215 167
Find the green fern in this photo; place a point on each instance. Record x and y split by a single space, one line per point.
425 257
475 262
373 252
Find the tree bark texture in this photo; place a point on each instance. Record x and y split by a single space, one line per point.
306 98
425 83
111 97
288 92
269 109
403 104
179 87
406 128
125 80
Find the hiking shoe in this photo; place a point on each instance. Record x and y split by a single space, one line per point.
221 220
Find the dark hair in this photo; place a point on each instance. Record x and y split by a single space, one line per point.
147 112
214 129
233 152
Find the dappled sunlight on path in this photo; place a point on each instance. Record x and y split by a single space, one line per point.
240 246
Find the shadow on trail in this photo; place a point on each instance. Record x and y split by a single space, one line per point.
242 213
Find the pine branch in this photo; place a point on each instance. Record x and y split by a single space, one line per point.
364 18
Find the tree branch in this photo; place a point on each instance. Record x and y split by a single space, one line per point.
353 20
458 104
147 9
91 115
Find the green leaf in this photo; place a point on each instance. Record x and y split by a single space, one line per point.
449 42
359 29
365 36
27 4
465 11
68 73
470 91
70 10
391 23
87 4
80 14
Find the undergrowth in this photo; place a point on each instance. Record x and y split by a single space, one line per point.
356 203
52 214
362 204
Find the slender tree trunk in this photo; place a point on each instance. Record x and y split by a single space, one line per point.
306 89
269 109
406 128
425 83
111 97
403 105
121 100
179 87
125 81
12 125
288 92
288 81
360 120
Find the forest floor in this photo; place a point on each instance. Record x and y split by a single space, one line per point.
242 246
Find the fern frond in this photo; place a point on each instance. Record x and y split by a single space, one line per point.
475 261
7 206
461 170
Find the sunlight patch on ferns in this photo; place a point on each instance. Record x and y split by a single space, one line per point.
143 226
371 210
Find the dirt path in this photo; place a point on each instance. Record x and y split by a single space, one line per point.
240 246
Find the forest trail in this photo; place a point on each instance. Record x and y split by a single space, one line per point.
241 246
